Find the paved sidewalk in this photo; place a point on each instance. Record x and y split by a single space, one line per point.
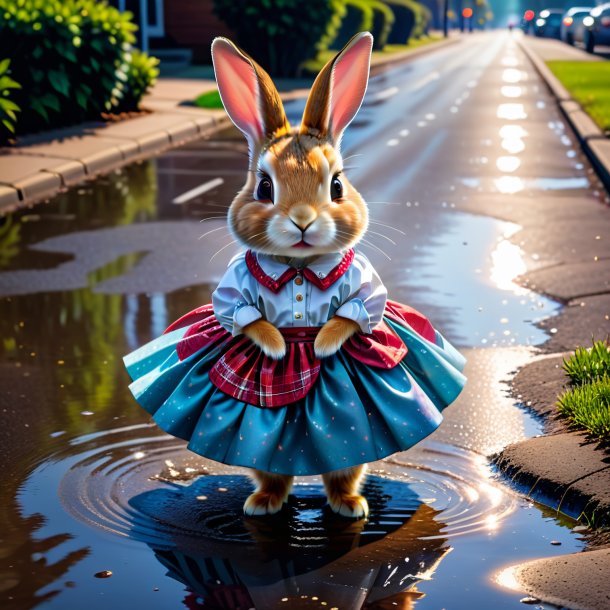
41 165
563 469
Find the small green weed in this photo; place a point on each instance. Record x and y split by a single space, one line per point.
588 406
588 364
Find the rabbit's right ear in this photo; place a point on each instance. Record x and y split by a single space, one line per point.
248 94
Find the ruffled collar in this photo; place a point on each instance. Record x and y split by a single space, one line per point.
323 271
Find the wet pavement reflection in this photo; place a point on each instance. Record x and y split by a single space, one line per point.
91 485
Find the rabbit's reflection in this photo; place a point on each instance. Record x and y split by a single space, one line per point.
300 558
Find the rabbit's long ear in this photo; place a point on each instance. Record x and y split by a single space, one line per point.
338 90
248 94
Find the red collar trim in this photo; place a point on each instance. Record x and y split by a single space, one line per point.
275 285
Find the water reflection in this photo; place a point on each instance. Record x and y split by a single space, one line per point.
304 557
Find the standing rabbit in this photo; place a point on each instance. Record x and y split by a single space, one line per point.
300 366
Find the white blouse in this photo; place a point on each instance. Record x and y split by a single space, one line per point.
358 294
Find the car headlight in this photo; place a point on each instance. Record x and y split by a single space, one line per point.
588 21
540 22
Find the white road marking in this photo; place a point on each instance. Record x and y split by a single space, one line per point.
424 81
386 93
198 190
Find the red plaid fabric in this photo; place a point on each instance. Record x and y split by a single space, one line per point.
246 374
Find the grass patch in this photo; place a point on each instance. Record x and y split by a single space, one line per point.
587 365
209 99
588 406
589 84
313 66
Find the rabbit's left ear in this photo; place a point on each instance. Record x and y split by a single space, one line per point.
339 89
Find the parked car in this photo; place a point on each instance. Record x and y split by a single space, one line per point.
572 26
598 27
548 23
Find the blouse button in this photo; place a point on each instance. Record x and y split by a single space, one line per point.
298 280
298 315
299 297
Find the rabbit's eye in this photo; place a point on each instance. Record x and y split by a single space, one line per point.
264 190
336 188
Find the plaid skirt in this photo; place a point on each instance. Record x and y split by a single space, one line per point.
379 394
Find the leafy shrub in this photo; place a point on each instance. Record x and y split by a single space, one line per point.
142 72
586 365
8 108
70 57
281 34
209 99
409 21
358 18
383 20
588 406
423 16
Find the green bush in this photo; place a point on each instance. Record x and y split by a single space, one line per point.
358 18
423 16
410 20
70 57
383 20
281 34
142 72
8 108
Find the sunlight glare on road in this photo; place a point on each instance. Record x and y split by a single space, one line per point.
511 112
511 91
512 75
507 263
508 164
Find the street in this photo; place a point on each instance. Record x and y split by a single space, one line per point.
450 150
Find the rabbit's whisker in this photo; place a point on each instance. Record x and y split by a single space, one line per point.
212 218
212 231
382 235
233 241
376 222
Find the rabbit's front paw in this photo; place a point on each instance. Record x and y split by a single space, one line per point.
333 335
267 337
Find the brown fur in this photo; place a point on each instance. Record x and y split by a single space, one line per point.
342 487
271 492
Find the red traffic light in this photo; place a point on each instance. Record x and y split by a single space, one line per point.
529 15
467 13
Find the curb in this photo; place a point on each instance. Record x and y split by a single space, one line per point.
592 140
42 165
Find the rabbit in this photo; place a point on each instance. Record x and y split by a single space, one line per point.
301 365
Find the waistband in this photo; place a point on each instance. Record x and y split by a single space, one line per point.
300 334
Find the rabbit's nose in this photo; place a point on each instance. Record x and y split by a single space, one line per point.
302 215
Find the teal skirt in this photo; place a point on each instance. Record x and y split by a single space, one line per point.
353 413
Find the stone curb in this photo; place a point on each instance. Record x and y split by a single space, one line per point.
593 141
40 166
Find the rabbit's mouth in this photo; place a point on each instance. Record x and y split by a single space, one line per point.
302 244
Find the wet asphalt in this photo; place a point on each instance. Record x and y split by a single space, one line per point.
448 150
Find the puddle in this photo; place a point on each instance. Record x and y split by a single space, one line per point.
473 268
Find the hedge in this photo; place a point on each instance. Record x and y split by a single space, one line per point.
383 21
410 20
282 34
358 18
71 58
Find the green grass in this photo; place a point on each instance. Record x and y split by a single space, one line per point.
588 406
586 365
313 66
209 99
589 84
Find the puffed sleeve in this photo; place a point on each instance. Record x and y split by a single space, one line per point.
366 303
234 297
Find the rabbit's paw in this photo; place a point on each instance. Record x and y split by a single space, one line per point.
333 335
353 506
263 503
267 337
